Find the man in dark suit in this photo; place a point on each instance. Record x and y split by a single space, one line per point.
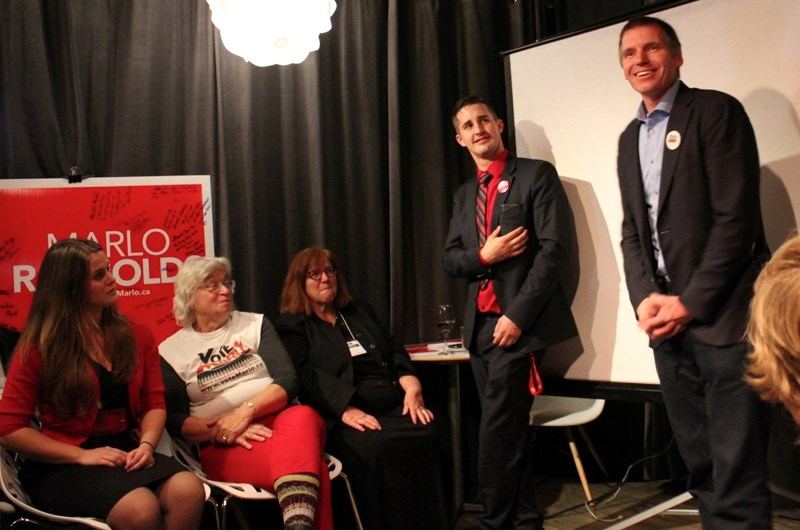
511 234
693 243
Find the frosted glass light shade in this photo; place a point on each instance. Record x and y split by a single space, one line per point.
266 32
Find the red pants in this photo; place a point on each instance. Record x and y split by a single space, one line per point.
298 438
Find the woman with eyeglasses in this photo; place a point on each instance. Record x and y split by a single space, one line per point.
364 385
230 388
91 378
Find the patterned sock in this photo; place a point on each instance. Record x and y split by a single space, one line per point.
297 495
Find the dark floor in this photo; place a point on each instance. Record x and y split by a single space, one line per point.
563 504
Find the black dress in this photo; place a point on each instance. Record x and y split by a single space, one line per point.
396 472
92 491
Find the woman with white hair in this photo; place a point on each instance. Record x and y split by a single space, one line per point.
230 388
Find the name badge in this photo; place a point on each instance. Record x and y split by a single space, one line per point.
356 348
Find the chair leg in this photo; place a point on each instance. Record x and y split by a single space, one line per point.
26 522
215 508
578 465
592 450
352 500
224 510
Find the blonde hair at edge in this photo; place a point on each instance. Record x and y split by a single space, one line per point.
195 271
774 330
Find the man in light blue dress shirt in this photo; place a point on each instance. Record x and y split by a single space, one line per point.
693 243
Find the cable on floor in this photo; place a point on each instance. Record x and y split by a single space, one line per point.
612 494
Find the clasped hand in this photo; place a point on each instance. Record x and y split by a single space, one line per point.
235 427
138 458
662 316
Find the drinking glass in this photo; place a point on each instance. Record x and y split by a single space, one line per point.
445 321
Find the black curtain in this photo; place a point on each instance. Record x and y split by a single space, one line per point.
353 149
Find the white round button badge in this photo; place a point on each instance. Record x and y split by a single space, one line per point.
502 187
673 140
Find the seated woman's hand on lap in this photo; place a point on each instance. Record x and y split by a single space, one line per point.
255 432
413 404
142 456
360 420
102 456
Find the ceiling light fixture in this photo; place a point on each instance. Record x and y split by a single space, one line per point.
266 32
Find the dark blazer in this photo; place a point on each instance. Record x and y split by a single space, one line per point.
528 286
709 218
322 358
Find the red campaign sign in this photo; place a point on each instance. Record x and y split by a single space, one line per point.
147 226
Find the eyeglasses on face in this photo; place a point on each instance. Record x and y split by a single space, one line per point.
329 271
215 286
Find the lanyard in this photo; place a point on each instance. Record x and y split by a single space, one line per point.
345 325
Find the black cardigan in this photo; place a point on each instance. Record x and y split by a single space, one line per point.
322 358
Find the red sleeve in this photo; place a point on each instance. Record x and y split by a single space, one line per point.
21 392
146 389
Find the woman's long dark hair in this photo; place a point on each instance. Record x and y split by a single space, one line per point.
60 328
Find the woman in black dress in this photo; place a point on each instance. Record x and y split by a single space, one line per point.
364 385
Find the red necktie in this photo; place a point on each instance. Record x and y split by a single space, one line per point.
480 207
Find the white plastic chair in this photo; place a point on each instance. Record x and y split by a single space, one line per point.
11 487
242 490
559 411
